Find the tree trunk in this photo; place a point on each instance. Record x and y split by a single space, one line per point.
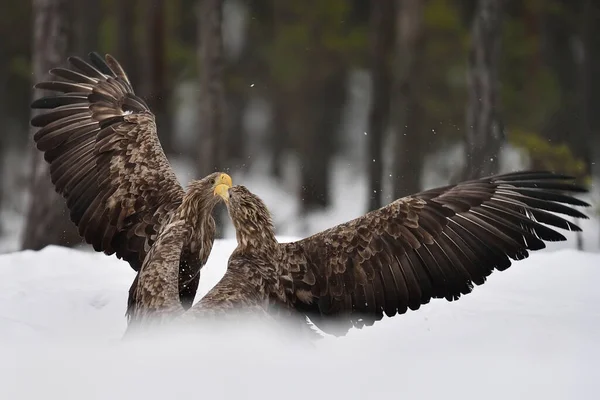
126 51
565 52
234 129
153 67
484 131
212 95
407 113
211 154
593 51
585 142
240 74
381 38
87 19
322 114
4 96
279 134
47 220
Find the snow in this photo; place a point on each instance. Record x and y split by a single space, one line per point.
532 332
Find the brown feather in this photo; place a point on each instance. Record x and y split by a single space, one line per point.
57 101
73 76
64 87
106 160
86 68
437 243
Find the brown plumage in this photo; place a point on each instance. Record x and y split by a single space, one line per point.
433 244
106 160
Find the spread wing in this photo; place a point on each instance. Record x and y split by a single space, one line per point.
434 244
105 157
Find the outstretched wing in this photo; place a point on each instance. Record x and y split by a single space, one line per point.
105 157
434 244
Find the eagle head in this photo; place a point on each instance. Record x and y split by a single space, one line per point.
200 195
249 214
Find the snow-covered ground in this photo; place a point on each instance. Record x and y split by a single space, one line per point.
531 332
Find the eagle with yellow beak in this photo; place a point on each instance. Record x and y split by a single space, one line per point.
106 160
435 244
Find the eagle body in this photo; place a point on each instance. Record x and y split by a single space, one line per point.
248 290
253 269
438 243
196 240
107 162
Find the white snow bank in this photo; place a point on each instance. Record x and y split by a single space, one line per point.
530 332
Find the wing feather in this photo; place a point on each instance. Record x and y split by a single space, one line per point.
437 243
105 157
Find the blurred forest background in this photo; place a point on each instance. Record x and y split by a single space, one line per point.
326 109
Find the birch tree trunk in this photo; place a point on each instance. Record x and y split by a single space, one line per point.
484 131
47 221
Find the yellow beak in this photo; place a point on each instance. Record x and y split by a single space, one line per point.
224 179
223 191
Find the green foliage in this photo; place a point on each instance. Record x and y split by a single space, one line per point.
547 155
532 94
108 34
20 67
298 45
311 40
182 54
441 79
529 88
287 55
15 67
